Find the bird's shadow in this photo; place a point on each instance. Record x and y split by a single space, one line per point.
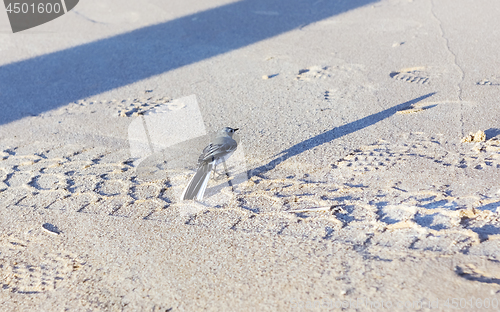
331 135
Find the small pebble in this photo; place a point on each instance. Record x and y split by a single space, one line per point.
52 229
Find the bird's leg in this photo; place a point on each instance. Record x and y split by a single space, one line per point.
215 169
227 174
215 172
225 169
221 175
216 175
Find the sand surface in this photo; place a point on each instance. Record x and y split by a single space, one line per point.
352 187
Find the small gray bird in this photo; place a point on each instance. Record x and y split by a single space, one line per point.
218 151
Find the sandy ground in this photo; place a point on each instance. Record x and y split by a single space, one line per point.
352 188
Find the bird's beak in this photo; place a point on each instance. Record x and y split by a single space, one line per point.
235 129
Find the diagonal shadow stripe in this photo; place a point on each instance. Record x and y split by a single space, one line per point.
333 134
46 82
473 276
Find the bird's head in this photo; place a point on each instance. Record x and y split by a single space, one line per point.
229 131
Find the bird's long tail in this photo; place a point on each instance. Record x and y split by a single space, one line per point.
198 184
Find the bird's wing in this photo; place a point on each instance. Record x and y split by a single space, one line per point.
215 150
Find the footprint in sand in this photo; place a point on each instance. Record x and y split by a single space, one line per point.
78 179
341 81
137 107
412 76
488 82
422 75
122 107
314 72
28 272
125 107
340 72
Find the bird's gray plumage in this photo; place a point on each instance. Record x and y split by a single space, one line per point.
219 150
